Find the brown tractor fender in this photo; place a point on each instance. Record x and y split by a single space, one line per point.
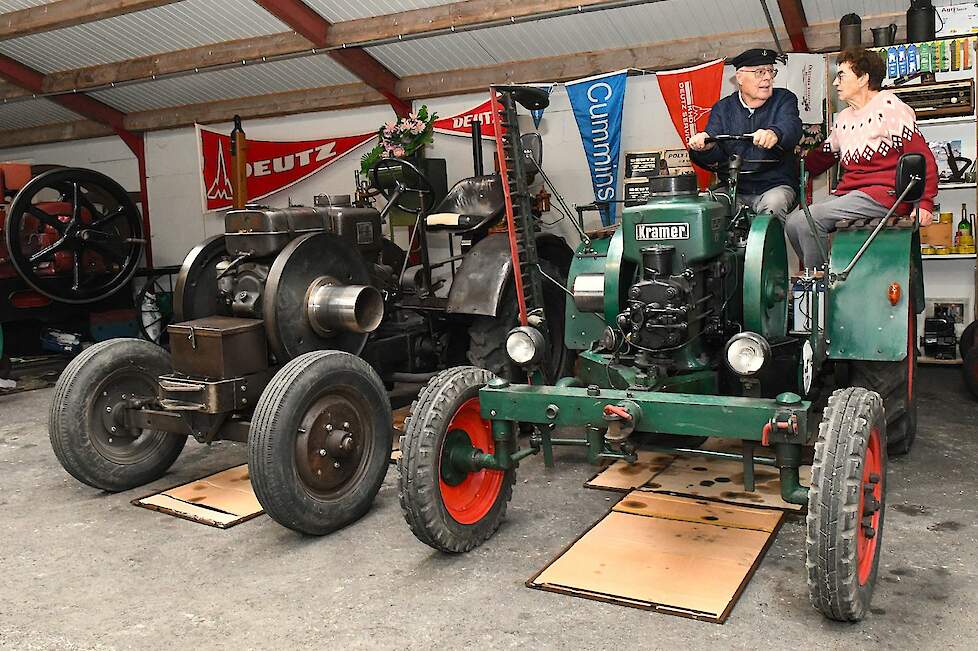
481 279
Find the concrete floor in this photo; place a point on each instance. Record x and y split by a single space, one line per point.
83 569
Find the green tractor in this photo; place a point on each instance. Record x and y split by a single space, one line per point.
681 321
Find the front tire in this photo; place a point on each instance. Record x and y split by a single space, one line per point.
320 442
92 388
846 504
448 508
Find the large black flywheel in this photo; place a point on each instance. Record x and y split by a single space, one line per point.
74 235
284 305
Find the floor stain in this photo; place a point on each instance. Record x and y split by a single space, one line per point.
948 525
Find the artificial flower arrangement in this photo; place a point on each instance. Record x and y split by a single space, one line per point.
402 138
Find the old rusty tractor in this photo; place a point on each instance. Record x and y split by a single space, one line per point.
681 320
289 329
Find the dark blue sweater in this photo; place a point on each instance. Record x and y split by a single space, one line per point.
780 115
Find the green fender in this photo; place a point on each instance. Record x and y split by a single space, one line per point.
861 322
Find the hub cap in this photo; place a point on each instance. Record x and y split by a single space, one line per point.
870 506
468 496
331 445
109 436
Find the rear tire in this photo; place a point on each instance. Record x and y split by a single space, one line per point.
449 509
967 340
80 423
320 442
969 368
487 335
846 504
894 381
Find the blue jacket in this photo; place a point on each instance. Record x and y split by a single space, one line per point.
779 114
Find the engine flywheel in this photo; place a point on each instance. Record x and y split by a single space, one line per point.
766 278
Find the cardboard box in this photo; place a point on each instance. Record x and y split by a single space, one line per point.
937 234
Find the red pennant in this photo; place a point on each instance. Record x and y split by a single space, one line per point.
272 165
461 124
689 95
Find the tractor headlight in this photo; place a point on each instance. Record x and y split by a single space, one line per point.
746 353
525 345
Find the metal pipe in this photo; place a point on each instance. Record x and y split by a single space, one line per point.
332 307
764 461
477 161
792 491
412 378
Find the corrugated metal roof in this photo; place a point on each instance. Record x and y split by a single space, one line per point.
564 35
245 81
14 5
337 10
171 27
34 113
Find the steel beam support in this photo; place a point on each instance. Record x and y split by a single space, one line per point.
793 14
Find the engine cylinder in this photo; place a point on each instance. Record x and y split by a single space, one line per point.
657 259
332 307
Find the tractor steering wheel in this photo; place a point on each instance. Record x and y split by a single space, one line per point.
396 179
737 160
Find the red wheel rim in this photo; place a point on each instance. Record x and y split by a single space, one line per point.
868 528
469 501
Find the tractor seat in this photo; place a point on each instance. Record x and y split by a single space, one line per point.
471 204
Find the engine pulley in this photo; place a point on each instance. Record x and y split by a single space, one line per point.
766 278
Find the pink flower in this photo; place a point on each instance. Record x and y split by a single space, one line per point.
399 152
412 116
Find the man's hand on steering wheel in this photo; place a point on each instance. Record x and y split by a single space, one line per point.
699 142
765 138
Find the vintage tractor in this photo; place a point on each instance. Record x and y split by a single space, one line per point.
681 321
71 241
288 330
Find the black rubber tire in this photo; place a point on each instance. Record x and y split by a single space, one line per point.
77 394
969 368
895 381
967 340
487 335
275 427
833 501
425 431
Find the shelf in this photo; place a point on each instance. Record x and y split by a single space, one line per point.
949 256
961 119
923 359
955 186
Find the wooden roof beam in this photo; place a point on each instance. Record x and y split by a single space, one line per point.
466 15
310 25
793 14
68 13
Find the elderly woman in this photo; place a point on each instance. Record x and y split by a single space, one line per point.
867 138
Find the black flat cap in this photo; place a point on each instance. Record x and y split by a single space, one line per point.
753 57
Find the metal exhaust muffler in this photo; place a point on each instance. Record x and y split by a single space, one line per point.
332 307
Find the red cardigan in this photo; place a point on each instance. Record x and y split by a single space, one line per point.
868 143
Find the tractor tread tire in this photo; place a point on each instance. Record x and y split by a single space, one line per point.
967 340
969 367
271 459
418 465
67 420
833 499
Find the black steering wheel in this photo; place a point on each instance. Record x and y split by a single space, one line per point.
734 162
402 184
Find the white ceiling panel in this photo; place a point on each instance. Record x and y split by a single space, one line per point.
171 27
14 5
33 113
338 10
245 81
447 52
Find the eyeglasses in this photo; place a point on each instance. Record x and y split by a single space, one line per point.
761 73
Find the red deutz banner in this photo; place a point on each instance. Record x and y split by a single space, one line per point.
461 124
271 165
690 94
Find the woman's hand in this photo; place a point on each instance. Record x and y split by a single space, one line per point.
925 217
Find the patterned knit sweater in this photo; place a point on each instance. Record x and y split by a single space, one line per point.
868 143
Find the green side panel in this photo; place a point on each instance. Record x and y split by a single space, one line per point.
667 413
860 322
582 328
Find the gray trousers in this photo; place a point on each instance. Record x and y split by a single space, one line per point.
854 205
776 201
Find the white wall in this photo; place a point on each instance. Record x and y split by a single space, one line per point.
176 217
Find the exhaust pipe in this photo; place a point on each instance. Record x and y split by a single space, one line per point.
332 307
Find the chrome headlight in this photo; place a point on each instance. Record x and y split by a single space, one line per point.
747 353
525 345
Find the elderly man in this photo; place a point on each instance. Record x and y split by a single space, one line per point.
768 114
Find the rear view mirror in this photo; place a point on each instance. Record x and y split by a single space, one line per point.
911 173
532 145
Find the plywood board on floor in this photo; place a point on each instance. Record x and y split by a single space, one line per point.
723 479
623 477
222 500
674 557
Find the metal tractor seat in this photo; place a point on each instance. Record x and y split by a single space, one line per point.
904 221
471 204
